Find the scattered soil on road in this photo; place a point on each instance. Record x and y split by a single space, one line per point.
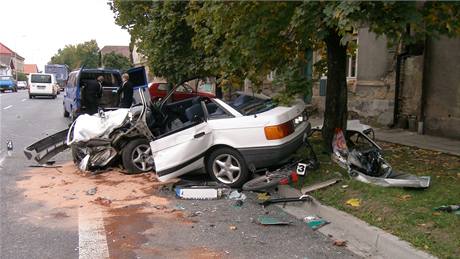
130 204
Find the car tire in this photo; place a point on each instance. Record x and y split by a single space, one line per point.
30 96
54 96
219 163
66 114
137 156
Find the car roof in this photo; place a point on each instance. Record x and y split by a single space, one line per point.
99 70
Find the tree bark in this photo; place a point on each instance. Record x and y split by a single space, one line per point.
335 114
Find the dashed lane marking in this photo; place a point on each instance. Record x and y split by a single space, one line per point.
92 240
7 107
23 100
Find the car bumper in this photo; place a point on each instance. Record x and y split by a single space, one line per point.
264 157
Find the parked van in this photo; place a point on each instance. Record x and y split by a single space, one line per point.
42 85
110 85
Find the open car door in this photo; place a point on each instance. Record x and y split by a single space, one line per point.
181 151
137 77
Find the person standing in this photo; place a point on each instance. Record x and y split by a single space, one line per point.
125 92
91 95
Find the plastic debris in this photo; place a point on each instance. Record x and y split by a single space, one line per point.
449 208
236 195
353 202
315 222
91 191
238 204
9 147
198 193
268 220
320 185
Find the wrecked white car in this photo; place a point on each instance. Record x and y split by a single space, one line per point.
228 139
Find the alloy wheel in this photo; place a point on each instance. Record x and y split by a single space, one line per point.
226 168
142 158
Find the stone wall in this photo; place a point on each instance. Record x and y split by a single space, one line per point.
442 116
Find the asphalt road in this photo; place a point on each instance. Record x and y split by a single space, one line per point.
148 222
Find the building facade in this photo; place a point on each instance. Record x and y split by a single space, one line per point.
10 61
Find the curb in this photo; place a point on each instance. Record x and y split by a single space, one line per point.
362 239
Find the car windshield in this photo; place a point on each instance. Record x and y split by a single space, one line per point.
248 104
44 79
5 78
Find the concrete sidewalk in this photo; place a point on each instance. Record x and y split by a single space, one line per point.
408 138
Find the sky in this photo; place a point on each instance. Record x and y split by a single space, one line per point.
36 29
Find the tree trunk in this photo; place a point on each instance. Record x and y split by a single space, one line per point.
335 114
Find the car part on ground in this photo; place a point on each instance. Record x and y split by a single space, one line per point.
321 185
289 199
364 160
271 179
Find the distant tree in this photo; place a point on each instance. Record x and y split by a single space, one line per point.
117 61
22 76
75 56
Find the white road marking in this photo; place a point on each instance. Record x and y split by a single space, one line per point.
23 100
92 240
2 159
7 107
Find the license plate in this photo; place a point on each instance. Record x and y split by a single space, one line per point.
301 168
41 86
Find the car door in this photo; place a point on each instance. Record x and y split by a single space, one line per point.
137 77
182 151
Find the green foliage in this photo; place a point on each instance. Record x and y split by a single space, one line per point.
75 56
117 61
22 76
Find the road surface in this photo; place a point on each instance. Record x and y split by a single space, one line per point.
61 213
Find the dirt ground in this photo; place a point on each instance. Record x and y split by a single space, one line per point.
129 204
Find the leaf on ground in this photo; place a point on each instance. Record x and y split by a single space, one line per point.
405 197
354 202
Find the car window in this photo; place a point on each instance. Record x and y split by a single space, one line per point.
163 87
5 78
206 87
247 104
44 79
184 89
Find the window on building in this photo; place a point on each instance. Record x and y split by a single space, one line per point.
352 63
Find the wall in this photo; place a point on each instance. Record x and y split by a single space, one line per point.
442 116
411 86
371 94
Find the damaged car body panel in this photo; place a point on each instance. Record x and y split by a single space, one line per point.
362 157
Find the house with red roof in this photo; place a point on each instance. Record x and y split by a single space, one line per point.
30 68
10 61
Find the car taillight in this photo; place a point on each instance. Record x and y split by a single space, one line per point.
279 131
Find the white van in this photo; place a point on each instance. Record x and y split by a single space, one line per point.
42 85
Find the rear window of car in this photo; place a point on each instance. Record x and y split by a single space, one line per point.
44 79
247 104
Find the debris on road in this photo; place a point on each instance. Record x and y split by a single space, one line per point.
91 191
353 202
340 242
102 201
263 196
232 227
318 186
315 222
9 147
268 220
198 192
285 200
236 195
238 204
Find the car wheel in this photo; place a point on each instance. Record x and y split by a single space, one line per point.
66 113
137 156
30 96
227 166
54 97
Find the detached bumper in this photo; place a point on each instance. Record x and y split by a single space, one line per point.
261 157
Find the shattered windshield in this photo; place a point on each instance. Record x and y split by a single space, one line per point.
249 104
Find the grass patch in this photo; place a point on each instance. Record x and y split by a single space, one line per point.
406 213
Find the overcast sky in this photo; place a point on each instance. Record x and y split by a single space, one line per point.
36 29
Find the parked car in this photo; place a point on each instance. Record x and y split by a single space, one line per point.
22 85
159 90
112 81
42 85
7 83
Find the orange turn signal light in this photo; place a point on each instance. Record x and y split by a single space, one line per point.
279 131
